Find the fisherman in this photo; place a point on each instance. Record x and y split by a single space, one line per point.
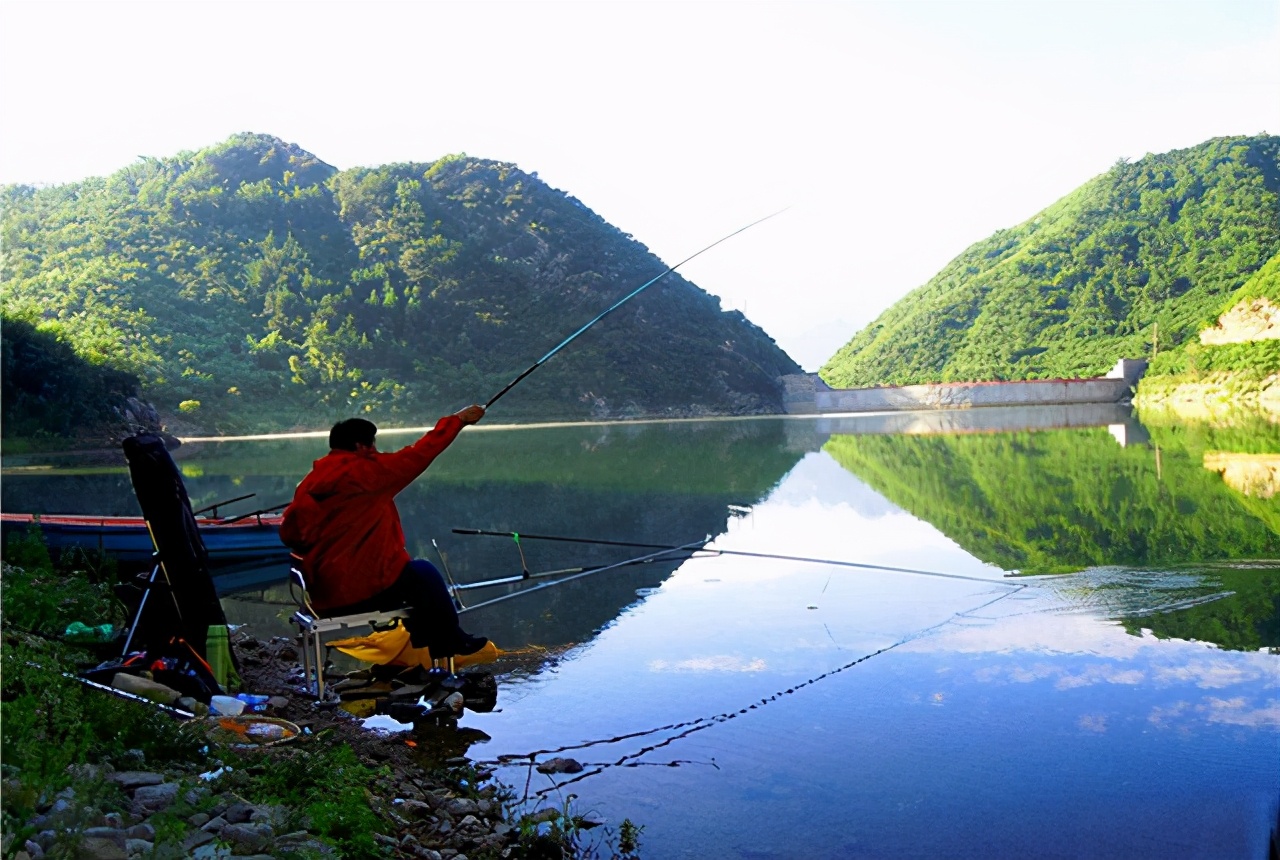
344 524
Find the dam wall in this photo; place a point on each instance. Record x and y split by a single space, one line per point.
806 394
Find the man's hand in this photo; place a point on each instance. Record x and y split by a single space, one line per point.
471 414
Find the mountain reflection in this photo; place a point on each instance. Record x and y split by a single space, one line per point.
659 483
1150 526
1063 500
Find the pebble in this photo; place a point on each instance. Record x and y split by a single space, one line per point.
461 806
560 765
238 812
150 799
131 779
102 848
142 831
138 847
246 836
415 807
195 840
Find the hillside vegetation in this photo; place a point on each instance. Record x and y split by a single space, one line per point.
47 388
1154 249
252 286
1233 364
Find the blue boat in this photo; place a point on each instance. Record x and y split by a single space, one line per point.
229 541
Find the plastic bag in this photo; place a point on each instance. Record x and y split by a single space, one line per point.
78 631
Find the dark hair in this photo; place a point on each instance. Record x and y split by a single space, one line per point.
346 435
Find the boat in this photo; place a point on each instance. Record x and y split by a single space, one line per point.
228 540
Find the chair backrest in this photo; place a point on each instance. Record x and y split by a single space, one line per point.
296 576
194 606
298 585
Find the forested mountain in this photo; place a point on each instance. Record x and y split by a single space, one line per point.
1158 244
252 286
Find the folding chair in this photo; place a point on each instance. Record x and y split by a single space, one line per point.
312 628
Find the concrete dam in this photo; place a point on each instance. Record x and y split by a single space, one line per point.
806 394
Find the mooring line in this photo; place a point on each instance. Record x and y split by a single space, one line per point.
691 726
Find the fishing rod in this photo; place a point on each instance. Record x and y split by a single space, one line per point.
214 507
512 384
653 556
121 694
595 568
256 513
835 562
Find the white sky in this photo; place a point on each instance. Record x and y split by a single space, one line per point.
898 132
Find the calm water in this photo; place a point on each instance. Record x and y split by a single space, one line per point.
1118 698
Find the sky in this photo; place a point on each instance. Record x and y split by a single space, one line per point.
894 133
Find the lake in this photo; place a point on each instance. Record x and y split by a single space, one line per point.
1077 653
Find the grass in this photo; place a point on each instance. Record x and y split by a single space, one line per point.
56 733
52 725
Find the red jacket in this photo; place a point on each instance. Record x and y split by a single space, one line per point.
343 519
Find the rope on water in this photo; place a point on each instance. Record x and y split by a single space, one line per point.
691 726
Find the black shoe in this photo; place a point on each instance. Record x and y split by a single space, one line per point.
465 644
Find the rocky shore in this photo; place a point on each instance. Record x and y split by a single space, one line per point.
1211 396
429 800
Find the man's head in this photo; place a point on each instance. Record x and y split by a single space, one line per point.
347 435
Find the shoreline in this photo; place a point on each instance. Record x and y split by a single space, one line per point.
1210 396
429 799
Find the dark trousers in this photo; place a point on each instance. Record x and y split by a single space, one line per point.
434 623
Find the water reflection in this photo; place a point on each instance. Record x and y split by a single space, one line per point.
803 710
1065 500
1129 707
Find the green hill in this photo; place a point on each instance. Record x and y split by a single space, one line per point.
1165 241
252 286
1237 371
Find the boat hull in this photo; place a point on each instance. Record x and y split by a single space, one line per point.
127 540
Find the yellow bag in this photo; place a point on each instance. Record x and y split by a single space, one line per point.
392 647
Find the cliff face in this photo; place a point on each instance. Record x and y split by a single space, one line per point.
1250 320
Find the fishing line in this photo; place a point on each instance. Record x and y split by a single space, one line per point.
512 384
691 726
453 586
835 562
